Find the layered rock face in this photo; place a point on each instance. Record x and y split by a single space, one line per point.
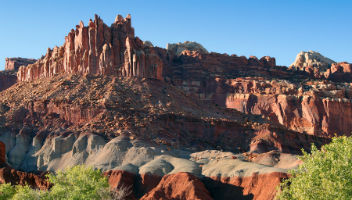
175 123
98 49
314 107
281 95
296 99
145 127
13 64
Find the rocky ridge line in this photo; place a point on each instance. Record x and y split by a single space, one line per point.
98 49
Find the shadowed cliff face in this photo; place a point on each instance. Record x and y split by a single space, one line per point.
7 79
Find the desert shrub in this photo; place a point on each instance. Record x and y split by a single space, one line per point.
7 191
76 183
19 192
79 182
325 174
25 192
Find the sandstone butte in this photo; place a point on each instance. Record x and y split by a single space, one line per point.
8 77
13 64
174 123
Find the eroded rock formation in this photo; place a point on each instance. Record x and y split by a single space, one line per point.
152 117
311 62
179 186
340 72
98 49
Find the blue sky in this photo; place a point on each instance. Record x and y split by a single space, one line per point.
278 28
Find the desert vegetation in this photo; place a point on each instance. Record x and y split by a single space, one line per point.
324 174
78 182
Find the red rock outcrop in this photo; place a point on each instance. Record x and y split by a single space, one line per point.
148 182
316 107
98 49
186 186
256 187
180 186
119 178
341 72
283 96
13 64
9 175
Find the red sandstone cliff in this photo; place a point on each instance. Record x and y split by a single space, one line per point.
98 49
55 103
254 86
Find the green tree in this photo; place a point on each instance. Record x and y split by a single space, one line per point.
76 183
25 192
79 182
325 174
7 191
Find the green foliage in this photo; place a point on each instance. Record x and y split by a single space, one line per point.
79 183
325 174
25 192
6 191
76 183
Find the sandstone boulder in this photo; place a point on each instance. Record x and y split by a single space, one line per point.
182 186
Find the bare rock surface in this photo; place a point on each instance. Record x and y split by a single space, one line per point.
311 61
98 49
179 186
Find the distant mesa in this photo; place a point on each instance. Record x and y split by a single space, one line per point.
178 48
13 64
